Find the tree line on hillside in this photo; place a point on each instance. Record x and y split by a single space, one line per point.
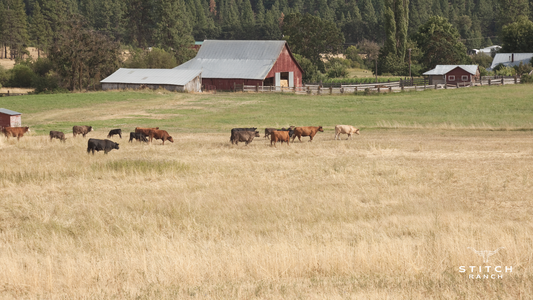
84 40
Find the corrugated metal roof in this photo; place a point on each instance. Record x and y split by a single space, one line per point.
506 58
9 112
235 59
152 76
444 69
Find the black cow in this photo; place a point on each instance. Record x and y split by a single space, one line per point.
114 132
234 130
245 136
139 136
96 144
57 135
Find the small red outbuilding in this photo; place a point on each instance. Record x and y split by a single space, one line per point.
453 74
9 118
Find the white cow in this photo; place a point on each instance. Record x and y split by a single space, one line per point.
347 129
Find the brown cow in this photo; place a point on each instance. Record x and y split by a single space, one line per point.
160 135
282 136
17 132
83 130
309 131
57 135
145 131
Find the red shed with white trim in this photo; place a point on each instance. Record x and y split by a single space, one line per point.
453 74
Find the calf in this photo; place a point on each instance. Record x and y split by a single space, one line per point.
234 130
57 135
309 131
245 136
96 144
281 136
161 135
83 130
114 132
17 132
346 129
141 137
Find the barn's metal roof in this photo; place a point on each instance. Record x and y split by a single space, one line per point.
444 69
152 76
507 59
235 59
9 112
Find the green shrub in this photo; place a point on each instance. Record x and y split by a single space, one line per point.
21 76
154 59
526 78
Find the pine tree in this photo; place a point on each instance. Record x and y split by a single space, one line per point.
248 20
172 29
39 30
14 27
369 19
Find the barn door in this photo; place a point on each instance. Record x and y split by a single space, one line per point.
277 81
291 79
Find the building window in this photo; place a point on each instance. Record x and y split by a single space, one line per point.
451 77
464 77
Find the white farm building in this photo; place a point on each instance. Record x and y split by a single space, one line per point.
169 79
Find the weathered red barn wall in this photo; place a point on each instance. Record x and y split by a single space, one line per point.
228 84
286 63
10 121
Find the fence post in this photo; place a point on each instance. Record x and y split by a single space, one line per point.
379 89
318 91
234 88
257 87
502 80
402 87
515 79
356 89
457 85
436 87
390 89
489 81
446 86
331 90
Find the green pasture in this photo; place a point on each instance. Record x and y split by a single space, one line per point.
494 108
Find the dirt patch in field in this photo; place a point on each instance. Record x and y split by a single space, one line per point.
11 90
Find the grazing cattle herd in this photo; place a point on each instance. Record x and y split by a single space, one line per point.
147 135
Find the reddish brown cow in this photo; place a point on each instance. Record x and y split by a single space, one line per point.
160 135
281 136
17 132
83 130
309 131
145 131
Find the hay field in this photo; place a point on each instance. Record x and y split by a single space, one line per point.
387 215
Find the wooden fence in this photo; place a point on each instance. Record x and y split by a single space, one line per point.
384 87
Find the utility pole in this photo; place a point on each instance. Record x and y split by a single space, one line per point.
376 60
410 66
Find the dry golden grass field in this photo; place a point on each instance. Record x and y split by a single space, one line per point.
390 214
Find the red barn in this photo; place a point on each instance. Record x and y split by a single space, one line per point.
9 118
263 63
453 74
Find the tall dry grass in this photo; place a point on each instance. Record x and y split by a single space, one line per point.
389 214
